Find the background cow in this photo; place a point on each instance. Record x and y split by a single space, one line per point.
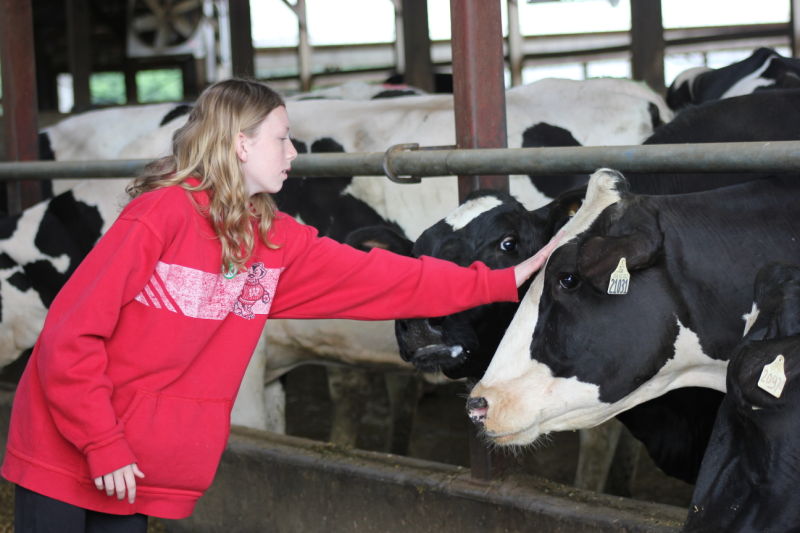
574 355
595 113
748 480
764 69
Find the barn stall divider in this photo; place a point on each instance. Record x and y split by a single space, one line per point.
269 482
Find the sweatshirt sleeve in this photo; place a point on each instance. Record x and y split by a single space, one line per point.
325 279
71 353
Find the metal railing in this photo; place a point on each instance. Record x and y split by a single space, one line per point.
408 160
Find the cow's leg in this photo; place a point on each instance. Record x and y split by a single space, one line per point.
404 391
257 405
597 447
349 390
624 466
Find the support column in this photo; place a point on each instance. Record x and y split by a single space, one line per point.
478 84
515 52
80 57
794 26
241 35
20 120
417 45
480 119
647 43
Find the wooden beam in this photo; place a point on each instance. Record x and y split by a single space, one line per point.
647 43
417 45
20 120
478 84
79 49
241 34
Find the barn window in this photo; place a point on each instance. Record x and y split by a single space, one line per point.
161 85
107 88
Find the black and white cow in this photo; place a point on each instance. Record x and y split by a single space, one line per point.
498 230
749 477
588 342
764 69
606 112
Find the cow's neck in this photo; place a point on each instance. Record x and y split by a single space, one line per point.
715 244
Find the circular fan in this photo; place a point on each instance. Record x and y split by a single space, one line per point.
164 27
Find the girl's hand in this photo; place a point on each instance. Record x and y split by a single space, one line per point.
120 481
528 267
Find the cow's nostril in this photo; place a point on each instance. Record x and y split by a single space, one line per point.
477 403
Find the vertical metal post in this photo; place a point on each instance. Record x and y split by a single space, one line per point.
647 43
80 57
20 120
480 119
515 41
417 45
241 36
399 38
794 26
478 86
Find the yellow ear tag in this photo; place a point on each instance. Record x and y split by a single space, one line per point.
773 378
620 279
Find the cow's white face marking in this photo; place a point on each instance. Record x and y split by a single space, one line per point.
688 75
536 403
751 82
750 318
471 210
525 399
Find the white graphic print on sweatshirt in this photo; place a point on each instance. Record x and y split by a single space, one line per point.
199 294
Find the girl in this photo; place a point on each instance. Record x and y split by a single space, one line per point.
123 410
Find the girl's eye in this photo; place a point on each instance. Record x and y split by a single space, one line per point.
509 244
568 280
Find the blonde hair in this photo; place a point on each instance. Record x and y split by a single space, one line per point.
204 148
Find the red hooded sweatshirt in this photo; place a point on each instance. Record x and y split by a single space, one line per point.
143 350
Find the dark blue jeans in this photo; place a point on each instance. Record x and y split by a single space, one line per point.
35 513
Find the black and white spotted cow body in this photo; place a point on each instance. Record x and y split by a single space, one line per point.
764 69
498 230
749 476
595 113
575 356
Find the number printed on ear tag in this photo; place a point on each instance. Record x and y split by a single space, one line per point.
620 279
773 378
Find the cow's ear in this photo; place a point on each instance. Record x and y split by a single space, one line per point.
777 296
384 237
637 239
554 215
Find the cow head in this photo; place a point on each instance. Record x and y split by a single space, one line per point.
750 465
562 364
494 228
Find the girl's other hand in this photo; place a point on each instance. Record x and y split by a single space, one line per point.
120 482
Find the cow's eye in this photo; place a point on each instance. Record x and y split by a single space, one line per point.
568 280
509 244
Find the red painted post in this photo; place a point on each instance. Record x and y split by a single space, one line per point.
478 84
480 117
20 120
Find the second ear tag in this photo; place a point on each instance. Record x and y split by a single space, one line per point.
620 279
773 377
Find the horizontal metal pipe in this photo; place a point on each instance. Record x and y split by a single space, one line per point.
776 156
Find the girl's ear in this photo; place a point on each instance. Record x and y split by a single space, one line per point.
241 147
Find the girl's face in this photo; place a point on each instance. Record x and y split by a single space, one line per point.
266 157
